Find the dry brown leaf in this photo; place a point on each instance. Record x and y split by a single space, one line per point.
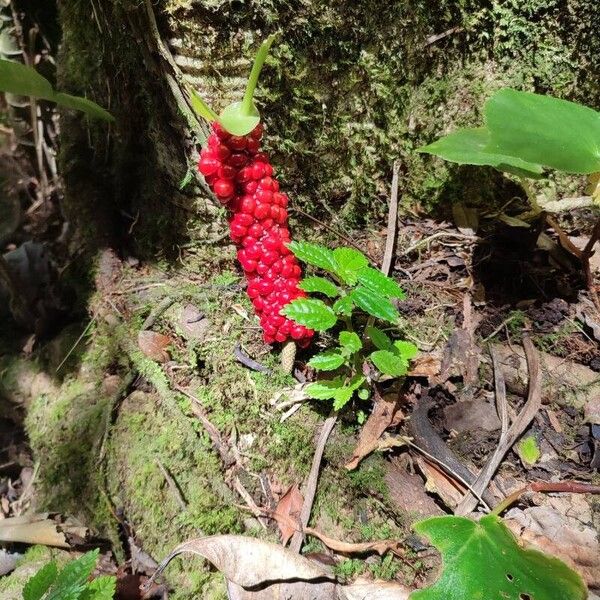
373 590
426 365
385 413
450 491
154 345
44 529
289 506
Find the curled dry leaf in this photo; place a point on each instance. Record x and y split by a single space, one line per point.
45 529
154 345
289 506
258 570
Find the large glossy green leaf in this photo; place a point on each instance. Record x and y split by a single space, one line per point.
545 130
483 560
472 147
378 282
310 312
329 360
374 304
314 254
380 339
320 285
389 363
91 109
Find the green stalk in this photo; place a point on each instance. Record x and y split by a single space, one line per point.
247 107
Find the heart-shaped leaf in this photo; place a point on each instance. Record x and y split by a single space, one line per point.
483 560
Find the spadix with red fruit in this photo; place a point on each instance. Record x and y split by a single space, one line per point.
242 178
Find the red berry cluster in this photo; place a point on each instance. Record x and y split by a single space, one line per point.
242 179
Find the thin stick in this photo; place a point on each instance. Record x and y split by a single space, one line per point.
500 387
436 236
392 224
172 485
310 488
77 341
520 424
572 487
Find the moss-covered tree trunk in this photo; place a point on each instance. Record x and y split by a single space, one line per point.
351 86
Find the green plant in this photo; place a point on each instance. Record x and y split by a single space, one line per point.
355 296
525 133
22 80
71 582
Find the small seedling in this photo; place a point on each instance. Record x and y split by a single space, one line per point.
356 295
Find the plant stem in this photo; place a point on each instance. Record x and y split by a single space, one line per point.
572 487
259 61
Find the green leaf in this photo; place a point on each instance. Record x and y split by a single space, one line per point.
40 583
389 363
528 450
374 304
483 560
20 79
344 394
73 577
91 109
471 147
320 285
349 262
101 588
382 284
16 78
364 394
380 339
314 254
350 341
343 306
311 313
201 108
545 130
325 389
407 350
329 360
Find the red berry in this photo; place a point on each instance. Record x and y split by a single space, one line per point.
223 188
268 170
226 172
243 219
264 195
266 183
265 287
236 142
261 211
248 204
223 152
258 170
250 187
257 132
237 160
261 157
268 223
261 268
252 146
208 166
220 131
256 230
237 230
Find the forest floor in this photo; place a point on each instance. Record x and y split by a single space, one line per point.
164 417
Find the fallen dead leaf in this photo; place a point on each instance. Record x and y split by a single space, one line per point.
386 413
193 324
437 482
154 345
45 529
289 507
426 365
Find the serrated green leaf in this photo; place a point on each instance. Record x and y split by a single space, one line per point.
528 450
311 313
344 394
350 341
484 560
545 130
471 147
389 363
325 389
40 583
73 577
329 360
374 304
407 350
349 263
314 254
101 588
320 285
380 339
382 284
343 306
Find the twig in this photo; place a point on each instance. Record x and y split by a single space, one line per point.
172 485
500 387
310 488
436 236
254 509
520 424
242 357
77 341
392 224
157 312
572 487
